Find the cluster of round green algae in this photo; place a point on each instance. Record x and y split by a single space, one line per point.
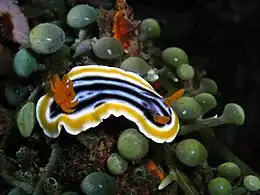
219 186
81 16
229 170
187 108
192 108
98 183
191 152
116 164
24 63
108 48
136 65
174 57
176 60
132 145
251 183
149 29
46 38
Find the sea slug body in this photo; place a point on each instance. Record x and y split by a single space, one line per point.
101 91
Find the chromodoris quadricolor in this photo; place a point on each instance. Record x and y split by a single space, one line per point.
101 91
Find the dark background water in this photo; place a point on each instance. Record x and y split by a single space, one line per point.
221 37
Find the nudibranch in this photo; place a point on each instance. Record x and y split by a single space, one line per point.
101 91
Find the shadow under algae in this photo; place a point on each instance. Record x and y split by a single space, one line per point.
159 139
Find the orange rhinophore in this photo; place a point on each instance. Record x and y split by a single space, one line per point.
155 170
169 100
64 93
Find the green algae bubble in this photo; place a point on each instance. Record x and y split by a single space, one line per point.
46 38
116 164
136 65
132 145
251 183
174 57
185 72
206 101
81 15
98 183
229 170
24 63
149 29
233 114
26 119
207 86
191 152
187 108
219 186
108 48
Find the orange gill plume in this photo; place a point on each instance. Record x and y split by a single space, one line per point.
63 93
